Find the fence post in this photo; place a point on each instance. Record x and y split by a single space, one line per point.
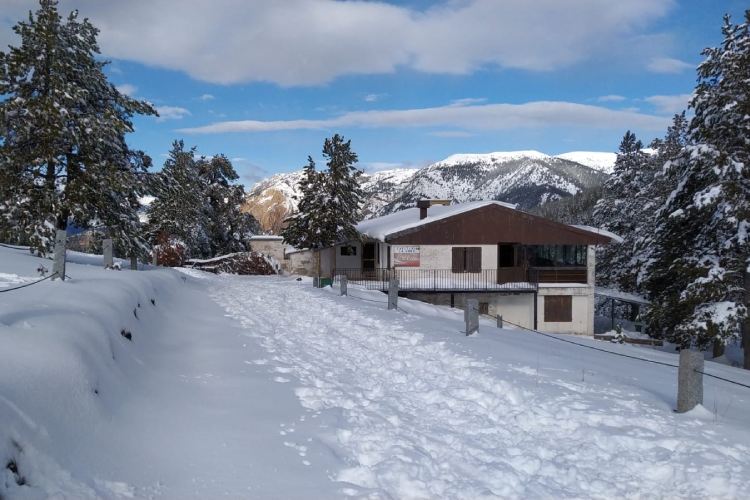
154 257
134 262
393 294
471 316
342 282
59 265
689 380
107 251
499 320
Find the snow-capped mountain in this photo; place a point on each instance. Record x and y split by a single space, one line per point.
598 160
527 178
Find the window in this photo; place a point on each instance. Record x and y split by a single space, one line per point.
484 308
466 259
506 255
558 308
557 255
348 251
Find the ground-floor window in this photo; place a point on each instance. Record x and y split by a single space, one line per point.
558 308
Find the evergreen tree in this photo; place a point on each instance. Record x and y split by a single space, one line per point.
304 229
329 207
63 155
620 210
177 216
227 227
342 186
699 279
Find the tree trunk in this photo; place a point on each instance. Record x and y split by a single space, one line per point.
746 326
718 350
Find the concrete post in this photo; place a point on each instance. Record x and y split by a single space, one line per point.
58 267
689 380
316 281
471 316
343 284
499 320
107 251
154 257
134 262
393 293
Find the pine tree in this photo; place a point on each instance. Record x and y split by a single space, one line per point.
329 207
304 229
699 280
227 227
342 186
177 216
63 155
619 211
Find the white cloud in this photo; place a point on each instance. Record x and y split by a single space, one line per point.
611 98
310 42
373 97
468 101
539 114
669 104
668 65
171 113
127 88
207 97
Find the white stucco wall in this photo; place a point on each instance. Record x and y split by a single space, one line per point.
582 305
349 261
272 247
518 309
441 256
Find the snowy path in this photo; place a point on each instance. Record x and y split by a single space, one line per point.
417 419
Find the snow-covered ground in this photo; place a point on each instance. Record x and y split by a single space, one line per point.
263 387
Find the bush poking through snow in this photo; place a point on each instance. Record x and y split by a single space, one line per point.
125 333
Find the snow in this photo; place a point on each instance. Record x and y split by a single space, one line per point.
598 160
617 294
603 232
496 157
408 218
264 387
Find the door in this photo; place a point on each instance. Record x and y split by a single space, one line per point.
369 257
508 269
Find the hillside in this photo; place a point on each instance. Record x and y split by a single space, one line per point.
265 387
527 178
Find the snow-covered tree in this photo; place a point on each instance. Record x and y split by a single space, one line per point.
305 228
63 155
329 207
228 228
342 186
699 280
177 216
620 210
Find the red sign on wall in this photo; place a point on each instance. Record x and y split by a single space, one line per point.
405 256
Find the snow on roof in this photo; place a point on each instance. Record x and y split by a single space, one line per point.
617 294
266 237
603 232
380 227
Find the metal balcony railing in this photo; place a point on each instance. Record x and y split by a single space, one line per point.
439 280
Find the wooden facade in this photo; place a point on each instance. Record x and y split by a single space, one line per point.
495 224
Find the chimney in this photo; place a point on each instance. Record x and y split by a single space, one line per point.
423 205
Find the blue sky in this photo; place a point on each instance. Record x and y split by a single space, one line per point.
408 82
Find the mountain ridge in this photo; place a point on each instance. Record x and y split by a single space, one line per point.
527 178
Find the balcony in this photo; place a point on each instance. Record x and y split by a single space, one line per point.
439 280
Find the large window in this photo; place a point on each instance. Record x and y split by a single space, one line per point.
558 308
466 259
557 255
